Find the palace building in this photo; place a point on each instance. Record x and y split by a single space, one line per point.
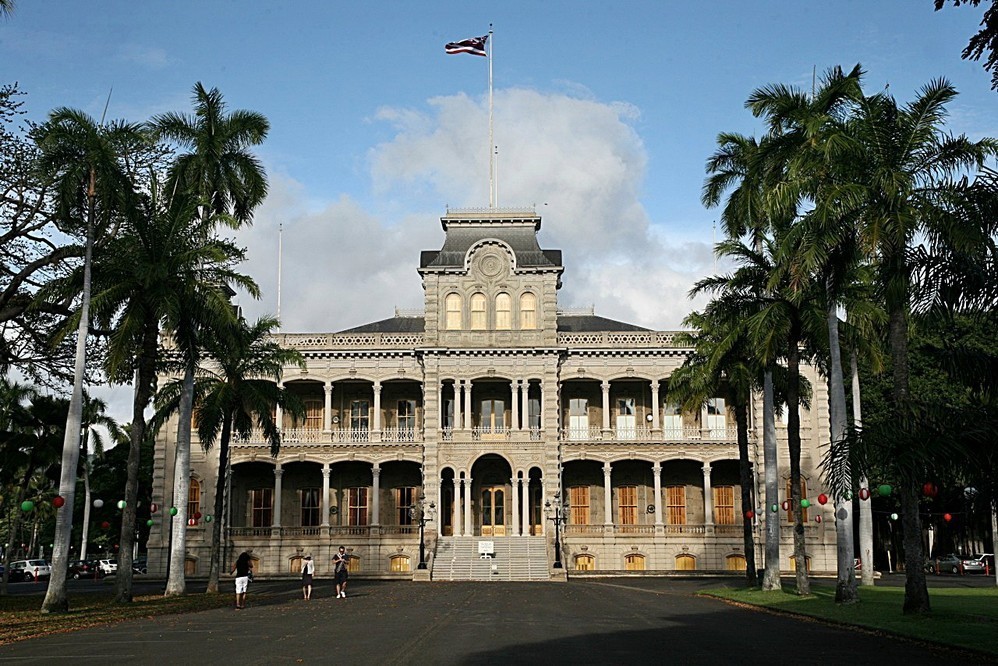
493 425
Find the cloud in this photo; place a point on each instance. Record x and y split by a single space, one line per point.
577 160
147 56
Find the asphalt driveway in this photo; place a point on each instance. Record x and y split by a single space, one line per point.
612 621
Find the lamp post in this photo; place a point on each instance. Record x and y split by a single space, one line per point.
423 513
557 512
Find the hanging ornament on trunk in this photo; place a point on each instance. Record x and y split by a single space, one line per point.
864 494
822 499
58 501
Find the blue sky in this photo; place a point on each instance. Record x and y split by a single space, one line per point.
605 115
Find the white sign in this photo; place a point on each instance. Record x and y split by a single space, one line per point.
486 547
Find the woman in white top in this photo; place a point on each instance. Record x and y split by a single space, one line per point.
307 569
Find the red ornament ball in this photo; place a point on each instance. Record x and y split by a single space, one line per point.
105 525
197 515
817 519
947 517
192 522
930 489
58 501
153 508
864 494
750 514
822 499
786 505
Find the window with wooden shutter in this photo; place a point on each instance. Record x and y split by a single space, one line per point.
627 504
358 506
634 562
675 503
585 563
686 563
578 497
724 505
452 305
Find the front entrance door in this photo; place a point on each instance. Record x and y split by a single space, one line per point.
493 511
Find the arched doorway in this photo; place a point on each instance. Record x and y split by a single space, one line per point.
491 477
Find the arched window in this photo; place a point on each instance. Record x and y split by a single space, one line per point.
398 564
528 312
686 563
585 563
452 306
504 312
634 562
735 563
194 498
478 312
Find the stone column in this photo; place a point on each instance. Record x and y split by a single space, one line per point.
656 469
656 421
455 510
468 531
376 491
514 484
327 409
525 507
278 473
324 503
376 420
606 407
279 411
466 392
708 497
540 390
607 496
514 393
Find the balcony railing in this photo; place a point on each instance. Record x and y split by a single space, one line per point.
310 436
645 434
489 434
400 435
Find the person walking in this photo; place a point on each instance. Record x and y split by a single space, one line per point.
307 569
243 569
340 572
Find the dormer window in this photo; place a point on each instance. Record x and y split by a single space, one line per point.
478 314
504 312
452 305
528 312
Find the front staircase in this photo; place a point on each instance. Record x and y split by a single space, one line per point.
522 558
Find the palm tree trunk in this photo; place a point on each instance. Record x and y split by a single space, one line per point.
145 388
55 595
86 495
214 567
794 446
771 575
745 469
845 585
865 508
176 583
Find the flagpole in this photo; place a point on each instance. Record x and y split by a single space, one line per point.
280 256
492 201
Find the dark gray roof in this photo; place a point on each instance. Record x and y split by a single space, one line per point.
393 325
590 323
522 239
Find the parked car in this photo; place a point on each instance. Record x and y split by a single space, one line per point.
108 567
944 564
976 563
140 565
83 569
30 570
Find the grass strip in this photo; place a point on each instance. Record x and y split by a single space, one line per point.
961 617
21 619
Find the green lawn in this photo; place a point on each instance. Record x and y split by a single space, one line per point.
20 617
961 617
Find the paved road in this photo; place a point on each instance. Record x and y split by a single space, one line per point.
613 621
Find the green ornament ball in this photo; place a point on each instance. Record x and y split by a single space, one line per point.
884 490
894 516
774 507
208 518
121 504
805 503
27 505
149 522
173 510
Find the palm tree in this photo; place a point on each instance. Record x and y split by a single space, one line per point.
95 419
84 160
806 129
6 7
723 363
236 394
226 179
906 167
737 166
162 264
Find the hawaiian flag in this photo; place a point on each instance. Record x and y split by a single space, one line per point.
474 46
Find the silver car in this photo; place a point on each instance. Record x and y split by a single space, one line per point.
30 570
979 563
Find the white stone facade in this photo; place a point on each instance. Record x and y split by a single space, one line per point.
494 406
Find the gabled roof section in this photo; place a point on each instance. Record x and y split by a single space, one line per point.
515 228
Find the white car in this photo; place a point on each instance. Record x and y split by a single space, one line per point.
30 570
108 567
